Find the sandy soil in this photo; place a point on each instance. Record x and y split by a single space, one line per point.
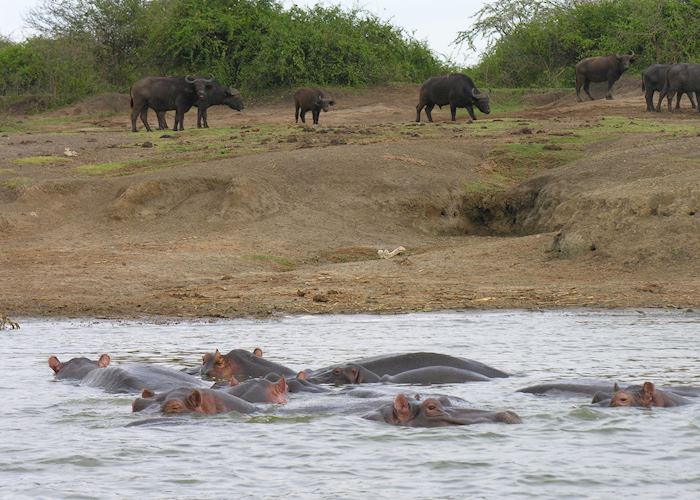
558 204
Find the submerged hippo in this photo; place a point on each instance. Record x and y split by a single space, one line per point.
261 390
393 364
134 377
77 368
239 364
645 395
205 401
431 412
352 373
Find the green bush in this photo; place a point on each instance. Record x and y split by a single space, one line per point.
537 42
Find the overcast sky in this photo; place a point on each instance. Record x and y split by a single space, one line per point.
436 22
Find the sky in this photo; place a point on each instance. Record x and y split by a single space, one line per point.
437 22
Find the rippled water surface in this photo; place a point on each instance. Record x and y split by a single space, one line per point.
65 441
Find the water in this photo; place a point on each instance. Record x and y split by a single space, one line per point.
64 441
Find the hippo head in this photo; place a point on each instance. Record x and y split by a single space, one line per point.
274 388
633 396
346 374
624 61
218 367
77 368
431 412
195 401
481 101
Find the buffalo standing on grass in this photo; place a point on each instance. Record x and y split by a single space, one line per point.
457 90
601 69
179 94
314 100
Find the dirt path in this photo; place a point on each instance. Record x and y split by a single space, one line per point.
554 204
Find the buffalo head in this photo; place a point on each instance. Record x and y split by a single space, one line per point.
200 85
624 61
481 101
325 102
232 98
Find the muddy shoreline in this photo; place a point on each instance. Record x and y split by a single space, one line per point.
555 205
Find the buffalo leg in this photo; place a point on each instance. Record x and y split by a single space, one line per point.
135 112
419 108
296 113
429 112
315 113
303 116
470 110
162 124
453 112
608 95
649 96
692 101
144 118
678 100
205 123
586 87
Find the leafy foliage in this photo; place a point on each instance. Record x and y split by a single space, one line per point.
89 45
538 42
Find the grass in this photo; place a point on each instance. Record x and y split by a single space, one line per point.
41 160
16 182
126 167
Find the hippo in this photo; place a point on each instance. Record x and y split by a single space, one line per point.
298 383
239 364
134 377
77 368
261 390
431 412
645 395
352 373
586 388
393 364
188 400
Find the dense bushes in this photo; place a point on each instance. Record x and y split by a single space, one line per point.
88 45
538 42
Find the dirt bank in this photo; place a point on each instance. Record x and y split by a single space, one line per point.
544 203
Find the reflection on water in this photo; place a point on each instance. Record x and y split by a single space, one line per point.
62 440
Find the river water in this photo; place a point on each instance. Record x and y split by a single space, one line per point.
60 440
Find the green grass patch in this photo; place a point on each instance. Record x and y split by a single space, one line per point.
16 182
41 160
285 264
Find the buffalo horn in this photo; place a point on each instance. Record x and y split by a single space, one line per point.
189 79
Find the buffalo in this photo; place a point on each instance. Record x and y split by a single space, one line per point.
653 80
457 90
680 78
311 99
215 94
179 93
601 69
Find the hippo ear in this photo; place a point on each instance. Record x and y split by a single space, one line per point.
402 408
648 391
282 385
147 393
355 374
55 364
217 356
194 400
301 376
104 361
206 358
257 352
616 387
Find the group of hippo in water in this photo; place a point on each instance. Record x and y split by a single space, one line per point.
240 379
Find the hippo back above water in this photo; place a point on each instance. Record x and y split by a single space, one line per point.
457 90
76 368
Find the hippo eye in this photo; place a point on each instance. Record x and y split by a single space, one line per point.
220 362
336 371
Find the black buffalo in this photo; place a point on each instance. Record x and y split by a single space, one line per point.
214 94
314 100
457 90
680 78
653 80
601 69
179 93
